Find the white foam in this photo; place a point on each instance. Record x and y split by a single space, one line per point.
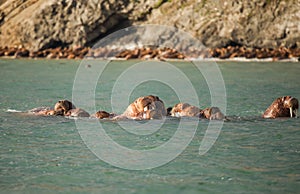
12 110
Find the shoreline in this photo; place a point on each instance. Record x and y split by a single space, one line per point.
229 53
237 59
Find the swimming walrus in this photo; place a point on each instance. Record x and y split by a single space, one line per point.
63 106
42 111
212 113
145 107
101 114
286 106
185 110
50 112
155 110
77 112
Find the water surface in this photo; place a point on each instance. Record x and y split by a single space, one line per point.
251 155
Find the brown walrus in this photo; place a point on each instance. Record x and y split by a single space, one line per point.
154 110
285 106
63 106
145 107
103 115
42 111
212 113
77 112
185 110
50 113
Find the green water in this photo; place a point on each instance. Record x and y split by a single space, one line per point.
47 154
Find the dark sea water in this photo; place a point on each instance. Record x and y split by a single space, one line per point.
48 155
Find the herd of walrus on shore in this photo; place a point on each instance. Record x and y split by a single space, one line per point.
152 52
152 107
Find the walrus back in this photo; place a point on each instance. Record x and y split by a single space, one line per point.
276 109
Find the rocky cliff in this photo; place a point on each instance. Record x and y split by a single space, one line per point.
41 24
219 23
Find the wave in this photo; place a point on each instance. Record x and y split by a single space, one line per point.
13 110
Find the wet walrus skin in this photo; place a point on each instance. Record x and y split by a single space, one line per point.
77 112
286 106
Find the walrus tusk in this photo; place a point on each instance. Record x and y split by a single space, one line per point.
177 114
291 112
296 113
145 108
144 115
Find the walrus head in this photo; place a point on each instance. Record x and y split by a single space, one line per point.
146 107
63 106
212 113
292 104
142 103
185 110
178 108
285 106
102 114
154 110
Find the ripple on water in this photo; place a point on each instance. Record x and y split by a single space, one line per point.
251 154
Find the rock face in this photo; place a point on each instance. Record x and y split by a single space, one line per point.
41 24
219 23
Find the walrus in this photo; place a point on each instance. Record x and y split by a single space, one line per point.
145 107
212 113
39 110
63 106
42 111
103 115
77 112
286 106
154 110
50 113
185 110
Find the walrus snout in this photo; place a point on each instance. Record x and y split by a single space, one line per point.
293 105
